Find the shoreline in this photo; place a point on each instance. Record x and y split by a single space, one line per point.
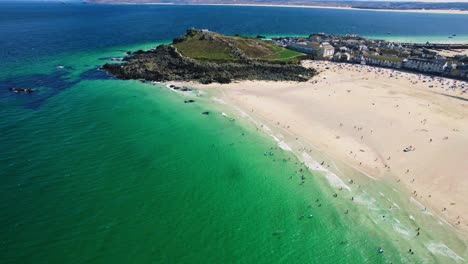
429 11
247 97
433 11
360 194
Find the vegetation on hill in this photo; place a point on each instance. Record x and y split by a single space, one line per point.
206 57
206 45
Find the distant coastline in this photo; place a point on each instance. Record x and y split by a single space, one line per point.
415 10
433 11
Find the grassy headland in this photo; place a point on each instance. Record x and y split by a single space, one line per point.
204 45
205 56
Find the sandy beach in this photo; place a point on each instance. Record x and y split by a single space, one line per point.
408 127
434 11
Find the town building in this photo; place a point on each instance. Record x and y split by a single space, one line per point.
355 49
319 50
382 61
425 65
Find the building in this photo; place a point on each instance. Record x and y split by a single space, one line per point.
382 61
327 50
343 49
425 65
342 56
319 50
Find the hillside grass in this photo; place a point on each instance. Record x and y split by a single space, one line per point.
201 49
221 48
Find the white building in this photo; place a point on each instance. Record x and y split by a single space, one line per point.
322 50
425 65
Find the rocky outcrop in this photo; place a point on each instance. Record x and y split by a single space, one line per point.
165 63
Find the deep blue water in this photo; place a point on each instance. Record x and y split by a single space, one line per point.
31 30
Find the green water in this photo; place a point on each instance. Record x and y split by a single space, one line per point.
128 173
112 171
98 170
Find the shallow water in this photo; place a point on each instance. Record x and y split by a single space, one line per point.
369 203
97 170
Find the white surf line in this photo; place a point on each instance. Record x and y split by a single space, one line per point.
421 206
282 144
332 178
403 230
440 248
425 211
444 220
323 153
186 93
361 171
218 100
365 199
396 205
336 167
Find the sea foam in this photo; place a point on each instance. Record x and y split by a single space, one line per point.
332 178
440 248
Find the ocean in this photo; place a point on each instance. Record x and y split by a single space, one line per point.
100 170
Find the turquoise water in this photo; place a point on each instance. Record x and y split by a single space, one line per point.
98 170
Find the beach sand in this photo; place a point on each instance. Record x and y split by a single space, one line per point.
434 11
451 53
365 117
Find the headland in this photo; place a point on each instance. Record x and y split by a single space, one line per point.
206 57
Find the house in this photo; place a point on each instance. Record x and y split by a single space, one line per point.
343 49
341 56
328 50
